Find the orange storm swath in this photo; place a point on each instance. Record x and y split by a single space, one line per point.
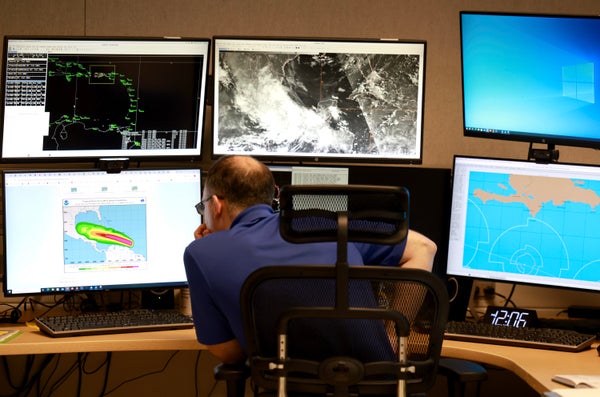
103 234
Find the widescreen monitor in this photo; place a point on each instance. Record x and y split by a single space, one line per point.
87 231
531 77
310 100
525 222
73 98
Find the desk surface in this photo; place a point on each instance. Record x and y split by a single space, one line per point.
33 341
534 366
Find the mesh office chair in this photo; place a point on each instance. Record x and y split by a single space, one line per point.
334 329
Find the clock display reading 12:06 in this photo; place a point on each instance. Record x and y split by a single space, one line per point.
510 317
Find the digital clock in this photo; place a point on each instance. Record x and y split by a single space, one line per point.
510 317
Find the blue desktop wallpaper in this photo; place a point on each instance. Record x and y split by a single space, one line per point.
531 74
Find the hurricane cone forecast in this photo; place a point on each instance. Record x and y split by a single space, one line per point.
102 234
533 225
121 103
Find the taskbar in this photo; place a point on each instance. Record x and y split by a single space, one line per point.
59 290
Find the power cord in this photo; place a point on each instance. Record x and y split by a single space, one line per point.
164 367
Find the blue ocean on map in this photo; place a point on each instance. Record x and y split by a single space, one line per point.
515 231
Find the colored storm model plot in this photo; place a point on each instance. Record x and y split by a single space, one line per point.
103 234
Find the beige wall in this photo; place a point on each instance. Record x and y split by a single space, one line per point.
435 21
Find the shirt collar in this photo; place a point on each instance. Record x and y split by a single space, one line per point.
253 214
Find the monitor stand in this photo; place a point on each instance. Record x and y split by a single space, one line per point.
504 315
161 299
547 155
113 165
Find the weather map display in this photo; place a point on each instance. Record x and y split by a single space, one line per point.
526 222
99 230
101 235
103 97
318 99
111 109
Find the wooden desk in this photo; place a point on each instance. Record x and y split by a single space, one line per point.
534 366
32 341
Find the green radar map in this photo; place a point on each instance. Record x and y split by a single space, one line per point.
110 102
103 234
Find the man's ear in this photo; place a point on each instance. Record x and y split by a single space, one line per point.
218 206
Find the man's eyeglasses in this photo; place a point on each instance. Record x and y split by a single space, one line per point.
200 206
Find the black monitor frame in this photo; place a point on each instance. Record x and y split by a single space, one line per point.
299 117
87 231
547 49
518 237
69 98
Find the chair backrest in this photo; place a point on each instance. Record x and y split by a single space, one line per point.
338 329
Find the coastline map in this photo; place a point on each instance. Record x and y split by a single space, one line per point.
534 225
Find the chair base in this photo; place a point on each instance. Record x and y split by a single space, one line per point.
235 376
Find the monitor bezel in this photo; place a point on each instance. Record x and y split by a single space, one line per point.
520 136
329 158
4 276
458 270
149 155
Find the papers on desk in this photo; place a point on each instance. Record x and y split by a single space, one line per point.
8 334
572 393
578 381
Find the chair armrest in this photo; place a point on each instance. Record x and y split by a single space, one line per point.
461 370
235 376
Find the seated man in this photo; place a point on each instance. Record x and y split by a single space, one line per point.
240 234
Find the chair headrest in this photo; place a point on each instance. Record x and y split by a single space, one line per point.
376 214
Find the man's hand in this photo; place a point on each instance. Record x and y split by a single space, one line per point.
201 231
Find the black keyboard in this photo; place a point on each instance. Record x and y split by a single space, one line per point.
541 338
95 323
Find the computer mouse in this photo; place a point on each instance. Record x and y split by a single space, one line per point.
15 315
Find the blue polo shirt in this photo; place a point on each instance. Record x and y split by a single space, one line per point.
218 264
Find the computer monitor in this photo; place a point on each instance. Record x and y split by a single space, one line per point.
88 231
311 100
531 78
429 190
72 98
525 222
